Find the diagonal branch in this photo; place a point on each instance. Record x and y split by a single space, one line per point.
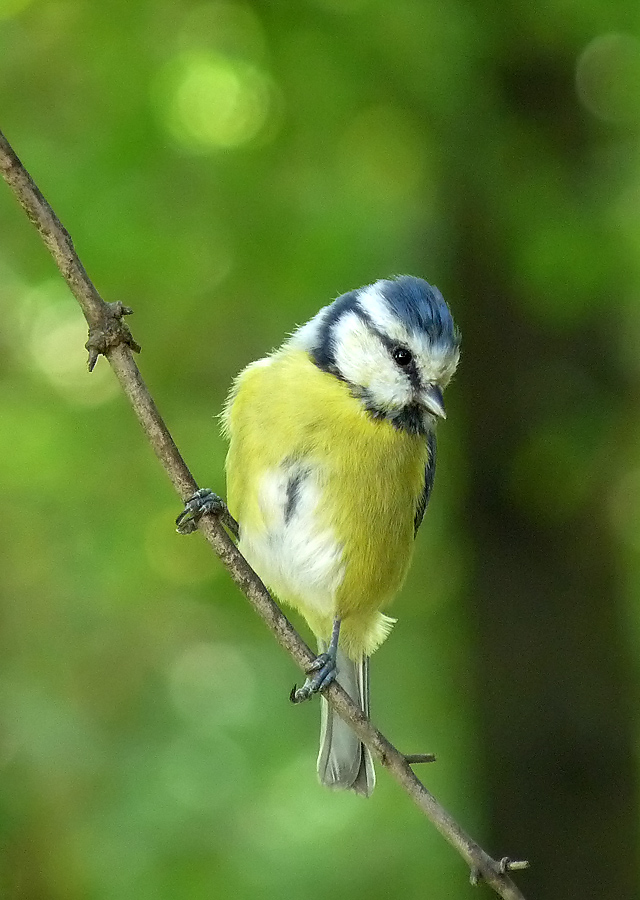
109 335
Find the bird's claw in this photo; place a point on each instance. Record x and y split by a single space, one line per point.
321 673
203 501
319 662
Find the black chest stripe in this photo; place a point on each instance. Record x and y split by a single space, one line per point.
293 495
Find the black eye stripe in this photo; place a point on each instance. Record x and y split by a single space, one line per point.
406 362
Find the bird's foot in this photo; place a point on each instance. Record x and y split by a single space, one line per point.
204 501
320 673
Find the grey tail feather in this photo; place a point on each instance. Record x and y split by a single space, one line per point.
344 762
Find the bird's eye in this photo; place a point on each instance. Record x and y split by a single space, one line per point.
402 356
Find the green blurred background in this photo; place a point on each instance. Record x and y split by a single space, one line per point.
226 169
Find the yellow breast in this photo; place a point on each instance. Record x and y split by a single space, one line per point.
368 476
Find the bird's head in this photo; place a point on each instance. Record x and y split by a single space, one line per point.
394 343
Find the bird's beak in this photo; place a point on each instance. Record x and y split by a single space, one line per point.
433 400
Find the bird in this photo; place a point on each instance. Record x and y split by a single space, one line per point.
330 466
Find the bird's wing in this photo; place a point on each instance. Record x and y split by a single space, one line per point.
429 475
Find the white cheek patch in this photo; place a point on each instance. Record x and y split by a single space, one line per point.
356 348
295 556
390 388
364 360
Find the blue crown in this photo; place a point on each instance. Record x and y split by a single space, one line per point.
421 307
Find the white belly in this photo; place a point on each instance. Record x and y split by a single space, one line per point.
300 560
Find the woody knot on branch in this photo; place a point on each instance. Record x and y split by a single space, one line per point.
109 331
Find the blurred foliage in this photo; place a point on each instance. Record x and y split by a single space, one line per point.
227 168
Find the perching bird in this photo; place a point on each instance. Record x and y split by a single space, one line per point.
331 463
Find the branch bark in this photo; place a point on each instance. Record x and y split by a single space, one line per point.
109 335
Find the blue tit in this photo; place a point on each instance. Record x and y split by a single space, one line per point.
331 461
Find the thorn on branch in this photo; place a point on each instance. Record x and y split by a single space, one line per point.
110 332
503 867
512 865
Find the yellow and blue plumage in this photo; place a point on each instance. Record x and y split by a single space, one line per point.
330 465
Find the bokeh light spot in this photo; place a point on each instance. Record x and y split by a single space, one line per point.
608 78
209 101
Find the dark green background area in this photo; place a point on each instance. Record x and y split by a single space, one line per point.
226 169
